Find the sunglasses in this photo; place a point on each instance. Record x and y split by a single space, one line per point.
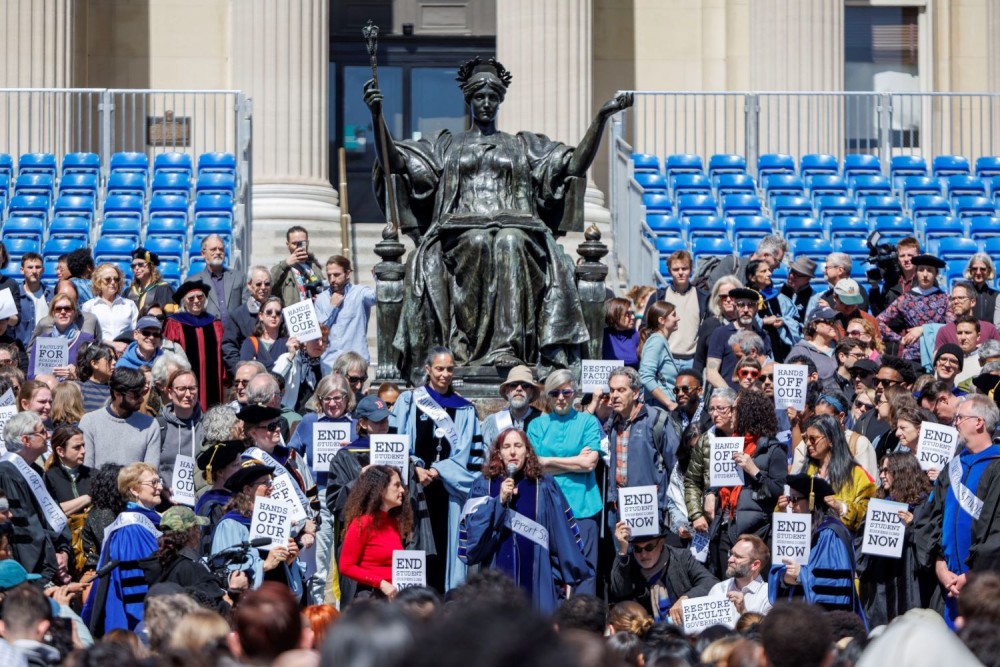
745 373
885 382
521 385
680 389
652 546
767 377
151 333
271 427
273 313
556 393
63 309
861 405
356 379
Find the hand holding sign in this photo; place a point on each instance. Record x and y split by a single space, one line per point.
328 439
637 506
270 520
884 529
790 382
936 445
301 321
391 450
50 354
791 538
724 470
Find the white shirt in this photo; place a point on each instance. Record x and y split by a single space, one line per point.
115 318
41 306
755 596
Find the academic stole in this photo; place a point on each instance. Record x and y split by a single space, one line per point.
54 516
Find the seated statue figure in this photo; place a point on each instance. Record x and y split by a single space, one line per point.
484 207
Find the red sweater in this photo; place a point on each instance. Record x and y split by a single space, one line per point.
369 561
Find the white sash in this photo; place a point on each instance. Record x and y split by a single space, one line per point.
440 416
967 500
504 421
268 460
525 527
131 519
54 515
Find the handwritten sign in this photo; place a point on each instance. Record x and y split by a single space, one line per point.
790 382
724 471
936 445
594 374
282 491
409 568
183 482
50 353
328 438
637 506
7 307
791 537
391 450
301 321
884 529
698 614
270 520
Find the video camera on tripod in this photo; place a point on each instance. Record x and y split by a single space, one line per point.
219 563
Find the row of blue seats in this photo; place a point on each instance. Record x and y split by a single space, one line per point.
123 162
121 206
88 185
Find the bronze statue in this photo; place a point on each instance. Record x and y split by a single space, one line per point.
484 207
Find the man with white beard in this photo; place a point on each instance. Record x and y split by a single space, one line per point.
744 586
519 390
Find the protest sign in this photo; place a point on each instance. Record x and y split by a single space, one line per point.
594 374
301 321
704 612
936 445
50 353
884 529
7 398
699 546
409 568
790 386
724 471
637 506
6 412
282 491
328 438
270 520
183 482
791 537
391 450
7 307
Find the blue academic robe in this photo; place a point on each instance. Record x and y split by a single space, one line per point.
458 472
234 530
117 601
485 539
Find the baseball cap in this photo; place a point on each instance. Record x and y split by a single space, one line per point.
849 292
148 322
180 517
372 408
13 574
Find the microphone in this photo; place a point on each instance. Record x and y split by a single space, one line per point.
103 572
259 542
511 470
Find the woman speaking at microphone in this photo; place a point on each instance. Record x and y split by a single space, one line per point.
517 521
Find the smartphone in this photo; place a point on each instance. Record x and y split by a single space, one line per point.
302 244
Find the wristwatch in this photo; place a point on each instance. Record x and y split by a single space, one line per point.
759 477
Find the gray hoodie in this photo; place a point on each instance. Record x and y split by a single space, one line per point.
177 436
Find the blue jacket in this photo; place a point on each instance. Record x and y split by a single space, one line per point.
649 462
26 325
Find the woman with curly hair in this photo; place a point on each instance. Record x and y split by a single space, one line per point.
378 518
892 586
106 504
748 508
830 458
867 334
517 521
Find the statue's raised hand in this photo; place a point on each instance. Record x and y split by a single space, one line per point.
616 104
373 98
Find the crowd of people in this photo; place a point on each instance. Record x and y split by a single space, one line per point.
134 465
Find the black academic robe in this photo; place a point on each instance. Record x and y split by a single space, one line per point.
34 545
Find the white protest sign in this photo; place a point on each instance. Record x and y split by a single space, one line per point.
328 438
790 386
699 546
936 445
6 412
409 568
724 471
7 307
700 613
301 321
282 492
791 537
884 529
7 398
637 506
50 353
270 520
390 449
594 374
183 482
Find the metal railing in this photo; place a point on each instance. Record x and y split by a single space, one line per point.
795 123
107 121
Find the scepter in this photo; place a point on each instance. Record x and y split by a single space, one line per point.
370 33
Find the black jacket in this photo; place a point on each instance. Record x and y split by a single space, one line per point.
682 575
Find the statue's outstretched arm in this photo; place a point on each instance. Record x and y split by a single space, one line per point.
373 99
586 150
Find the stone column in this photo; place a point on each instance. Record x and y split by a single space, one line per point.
280 59
796 44
547 46
992 47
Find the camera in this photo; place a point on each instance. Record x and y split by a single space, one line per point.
313 286
883 261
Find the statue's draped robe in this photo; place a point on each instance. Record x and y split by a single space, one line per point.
487 278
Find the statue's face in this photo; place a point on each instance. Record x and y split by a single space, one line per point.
484 103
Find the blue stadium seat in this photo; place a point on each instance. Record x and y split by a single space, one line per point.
982 227
164 227
926 205
34 206
173 163
783 207
37 163
857 164
956 248
704 247
750 227
816 249
122 228
954 271
780 275
913 186
722 163
875 206
74 207
114 249
967 207
774 163
991 247
130 163
651 182
6 166
870 185
747 246
127 183
79 185
857 248
892 226
81 163
217 163
827 207
799 227
663 223
18 246
171 272
4 185
901 166
706 226
225 184
988 166
53 248
949 165
994 188
826 185
683 163
818 163
70 228
657 202
733 205
688 205
962 185
690 184
941 226
168 206
734 184
171 183
123 206
168 249
32 184
782 185
844 226
20 227
668 244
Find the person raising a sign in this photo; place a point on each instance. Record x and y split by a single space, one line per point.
302 368
830 458
378 518
517 521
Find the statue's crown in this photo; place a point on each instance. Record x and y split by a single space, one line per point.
475 66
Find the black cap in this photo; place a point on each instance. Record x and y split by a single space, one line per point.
928 260
146 256
191 286
865 365
215 456
252 469
813 485
258 414
744 293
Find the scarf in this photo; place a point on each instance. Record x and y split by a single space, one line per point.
659 595
729 496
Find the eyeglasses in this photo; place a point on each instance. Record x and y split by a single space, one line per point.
978 269
263 283
154 484
856 333
885 382
725 297
42 433
150 333
856 355
748 373
271 427
111 280
333 398
186 390
266 482
565 393
646 548
948 361
960 418
195 296
139 265
796 499
356 379
715 409
240 383
63 309
746 305
813 439
861 405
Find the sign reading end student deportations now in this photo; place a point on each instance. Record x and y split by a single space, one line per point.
409 568
270 520
724 471
700 613
884 529
594 374
328 438
790 386
301 321
637 507
791 537
936 445
391 450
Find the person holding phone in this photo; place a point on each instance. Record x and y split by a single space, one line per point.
299 276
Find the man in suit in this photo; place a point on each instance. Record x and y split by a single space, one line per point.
228 290
243 318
